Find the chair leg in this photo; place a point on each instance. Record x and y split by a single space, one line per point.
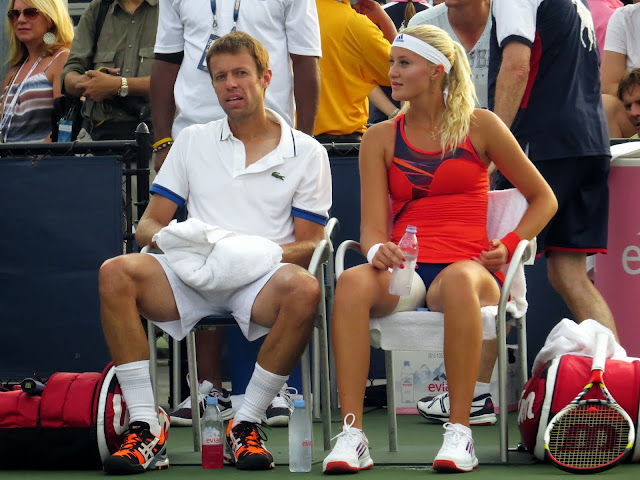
502 391
322 372
391 402
315 377
193 384
305 366
176 394
153 360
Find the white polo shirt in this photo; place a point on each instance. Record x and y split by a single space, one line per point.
282 26
205 169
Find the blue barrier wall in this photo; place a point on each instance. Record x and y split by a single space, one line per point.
61 218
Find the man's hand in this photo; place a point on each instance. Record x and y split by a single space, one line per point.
99 85
388 256
371 9
374 11
494 258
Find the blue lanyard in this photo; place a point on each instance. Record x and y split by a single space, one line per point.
236 12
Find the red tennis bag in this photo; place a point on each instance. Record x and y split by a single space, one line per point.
78 421
558 383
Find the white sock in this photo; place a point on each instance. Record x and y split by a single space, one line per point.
135 383
481 389
262 389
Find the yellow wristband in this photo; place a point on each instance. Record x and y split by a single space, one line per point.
160 142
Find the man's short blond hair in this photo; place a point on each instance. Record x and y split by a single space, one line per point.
235 42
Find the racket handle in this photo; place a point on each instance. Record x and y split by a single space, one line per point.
600 351
32 387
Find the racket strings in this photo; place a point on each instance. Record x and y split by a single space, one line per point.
589 435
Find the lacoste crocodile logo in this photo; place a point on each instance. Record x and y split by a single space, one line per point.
277 175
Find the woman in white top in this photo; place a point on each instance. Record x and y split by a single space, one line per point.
40 34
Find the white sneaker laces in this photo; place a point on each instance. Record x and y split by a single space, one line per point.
453 436
349 434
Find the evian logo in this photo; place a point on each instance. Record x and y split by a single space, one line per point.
631 258
438 387
525 408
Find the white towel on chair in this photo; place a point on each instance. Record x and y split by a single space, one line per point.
207 257
505 210
575 338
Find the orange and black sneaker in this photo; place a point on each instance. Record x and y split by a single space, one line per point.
246 448
141 451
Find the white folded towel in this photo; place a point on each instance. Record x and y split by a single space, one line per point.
207 257
575 338
504 212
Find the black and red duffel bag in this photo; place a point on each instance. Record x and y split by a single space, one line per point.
557 384
78 421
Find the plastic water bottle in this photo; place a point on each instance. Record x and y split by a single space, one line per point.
406 377
300 439
401 278
212 450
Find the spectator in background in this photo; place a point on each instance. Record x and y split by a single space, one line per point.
627 113
601 11
113 79
621 54
629 95
40 33
469 23
400 13
4 45
355 61
545 85
621 47
181 95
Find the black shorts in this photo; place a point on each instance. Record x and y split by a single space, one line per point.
429 271
581 186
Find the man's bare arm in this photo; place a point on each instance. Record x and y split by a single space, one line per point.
306 90
163 105
307 234
512 81
380 100
156 216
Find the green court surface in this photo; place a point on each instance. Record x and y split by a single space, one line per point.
418 444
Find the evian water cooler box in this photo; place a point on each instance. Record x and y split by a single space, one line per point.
422 374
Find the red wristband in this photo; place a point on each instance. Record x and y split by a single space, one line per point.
511 241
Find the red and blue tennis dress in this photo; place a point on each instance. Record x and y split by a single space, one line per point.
445 197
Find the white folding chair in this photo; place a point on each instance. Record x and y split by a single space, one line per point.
321 260
420 330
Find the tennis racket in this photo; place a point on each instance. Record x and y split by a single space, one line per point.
590 435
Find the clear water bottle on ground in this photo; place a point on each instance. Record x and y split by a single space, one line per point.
300 439
401 278
406 377
212 435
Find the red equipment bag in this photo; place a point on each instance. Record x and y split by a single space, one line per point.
558 383
78 421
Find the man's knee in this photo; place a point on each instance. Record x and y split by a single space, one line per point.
114 277
566 271
302 293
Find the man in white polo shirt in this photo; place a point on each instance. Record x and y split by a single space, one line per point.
250 173
181 96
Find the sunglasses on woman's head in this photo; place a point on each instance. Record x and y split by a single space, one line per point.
29 13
